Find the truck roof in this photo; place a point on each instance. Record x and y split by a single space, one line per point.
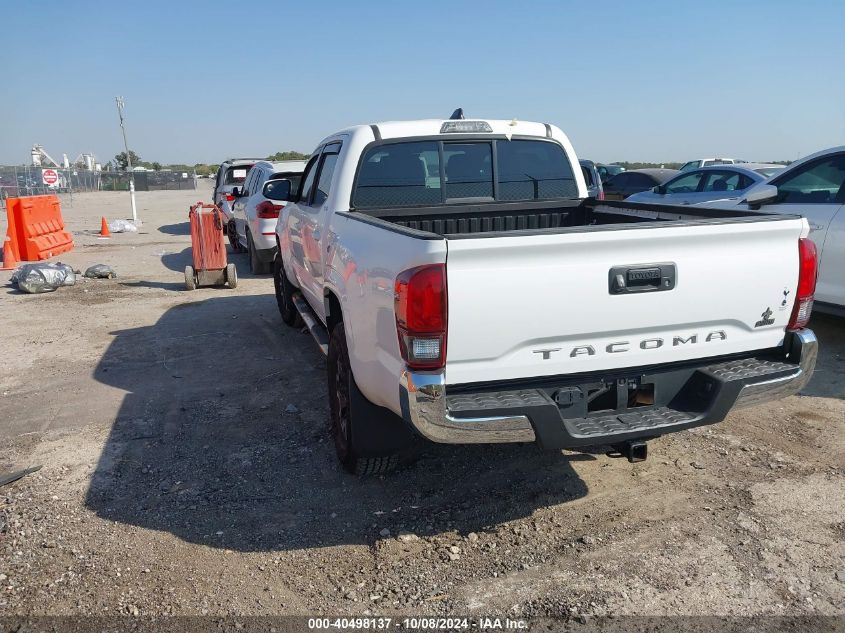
432 127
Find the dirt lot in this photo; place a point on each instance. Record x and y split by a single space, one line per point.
187 469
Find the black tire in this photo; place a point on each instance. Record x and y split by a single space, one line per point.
284 294
231 275
343 396
232 233
256 266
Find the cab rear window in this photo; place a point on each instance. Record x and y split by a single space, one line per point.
236 175
427 173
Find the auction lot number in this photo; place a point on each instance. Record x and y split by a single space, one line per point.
413 624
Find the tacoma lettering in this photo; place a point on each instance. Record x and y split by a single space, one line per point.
620 347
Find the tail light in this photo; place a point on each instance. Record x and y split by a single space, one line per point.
229 197
267 210
601 194
420 304
808 269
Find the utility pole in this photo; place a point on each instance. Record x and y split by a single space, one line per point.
119 101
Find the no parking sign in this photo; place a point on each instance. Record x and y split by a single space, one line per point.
49 177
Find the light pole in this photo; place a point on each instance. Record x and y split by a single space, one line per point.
119 101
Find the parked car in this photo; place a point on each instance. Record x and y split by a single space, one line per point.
634 181
606 172
465 290
815 188
707 183
231 173
256 208
709 162
592 178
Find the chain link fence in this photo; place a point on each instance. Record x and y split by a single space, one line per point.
27 180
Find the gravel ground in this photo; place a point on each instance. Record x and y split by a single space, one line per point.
187 469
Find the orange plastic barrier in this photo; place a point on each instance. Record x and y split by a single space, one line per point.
37 228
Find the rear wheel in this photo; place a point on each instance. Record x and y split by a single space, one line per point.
231 275
343 399
232 233
284 294
256 266
190 279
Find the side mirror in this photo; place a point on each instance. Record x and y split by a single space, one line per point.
236 191
278 189
764 194
660 190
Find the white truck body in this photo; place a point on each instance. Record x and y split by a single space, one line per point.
527 307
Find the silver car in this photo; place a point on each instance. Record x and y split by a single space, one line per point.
231 174
718 182
592 178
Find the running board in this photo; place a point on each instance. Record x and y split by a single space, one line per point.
315 328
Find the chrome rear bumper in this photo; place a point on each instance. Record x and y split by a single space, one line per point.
528 415
424 406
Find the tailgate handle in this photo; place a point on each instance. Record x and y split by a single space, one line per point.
641 278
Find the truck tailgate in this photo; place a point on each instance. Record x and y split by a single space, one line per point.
544 304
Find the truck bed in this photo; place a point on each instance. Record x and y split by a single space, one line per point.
695 283
498 219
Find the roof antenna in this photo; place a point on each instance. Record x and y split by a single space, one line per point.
457 115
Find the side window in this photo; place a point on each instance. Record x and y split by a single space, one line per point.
687 183
642 181
308 178
723 181
820 182
619 181
324 183
690 165
588 176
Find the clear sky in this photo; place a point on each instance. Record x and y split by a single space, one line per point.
654 80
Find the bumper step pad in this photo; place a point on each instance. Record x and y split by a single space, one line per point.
749 368
618 423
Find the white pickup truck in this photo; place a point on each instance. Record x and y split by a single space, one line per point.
465 290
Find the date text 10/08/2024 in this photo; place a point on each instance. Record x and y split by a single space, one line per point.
417 624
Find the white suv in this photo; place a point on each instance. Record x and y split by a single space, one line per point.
232 173
256 208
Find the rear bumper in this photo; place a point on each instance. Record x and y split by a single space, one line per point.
264 238
684 397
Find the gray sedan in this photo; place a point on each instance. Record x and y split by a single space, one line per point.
718 182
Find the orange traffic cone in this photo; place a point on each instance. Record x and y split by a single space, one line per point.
9 261
104 229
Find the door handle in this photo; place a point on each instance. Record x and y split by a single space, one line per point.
641 278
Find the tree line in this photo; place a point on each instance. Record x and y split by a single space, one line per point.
121 161
628 165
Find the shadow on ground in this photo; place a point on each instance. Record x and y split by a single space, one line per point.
182 228
159 285
177 262
222 440
828 381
